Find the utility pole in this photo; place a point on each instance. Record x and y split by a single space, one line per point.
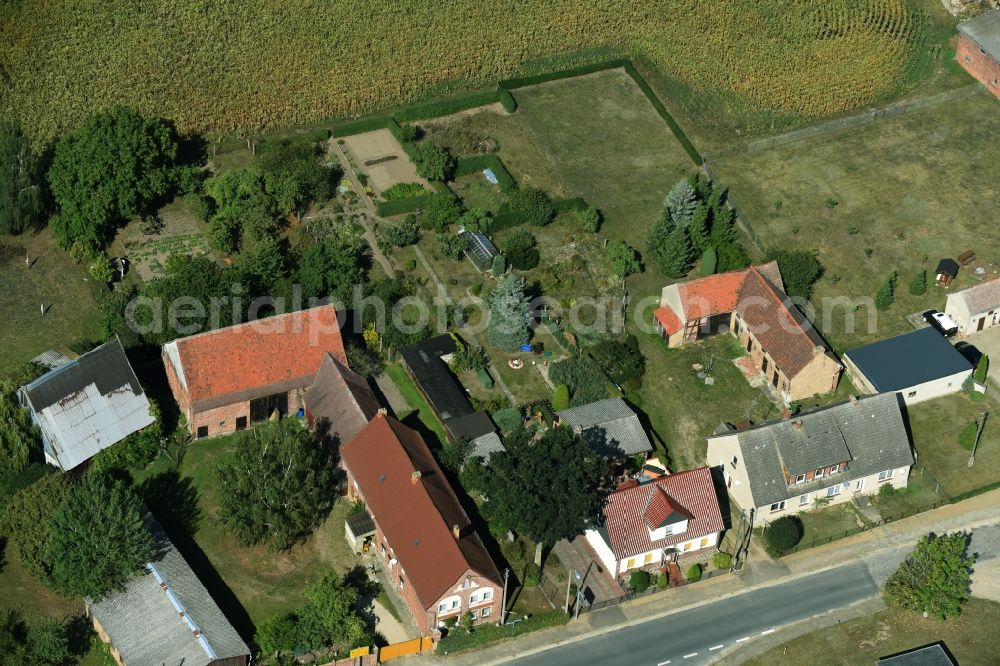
979 433
569 584
503 606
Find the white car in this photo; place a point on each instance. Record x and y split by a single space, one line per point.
944 324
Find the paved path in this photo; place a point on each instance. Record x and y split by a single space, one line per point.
576 555
369 208
392 630
881 549
397 403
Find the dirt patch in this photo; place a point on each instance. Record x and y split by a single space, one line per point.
379 155
182 233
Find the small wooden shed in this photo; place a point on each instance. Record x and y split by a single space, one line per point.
946 271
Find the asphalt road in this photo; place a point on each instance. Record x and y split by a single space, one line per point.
694 636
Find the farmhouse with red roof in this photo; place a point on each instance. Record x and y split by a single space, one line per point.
227 379
782 344
649 525
421 532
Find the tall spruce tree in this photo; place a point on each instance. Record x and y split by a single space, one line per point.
886 295
510 314
681 202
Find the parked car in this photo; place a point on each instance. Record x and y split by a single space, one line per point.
941 322
971 354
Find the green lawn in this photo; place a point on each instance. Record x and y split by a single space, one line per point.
912 188
935 425
828 523
54 279
250 584
866 639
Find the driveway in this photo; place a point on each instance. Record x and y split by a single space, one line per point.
988 342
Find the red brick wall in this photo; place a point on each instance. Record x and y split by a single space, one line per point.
222 420
985 69
484 584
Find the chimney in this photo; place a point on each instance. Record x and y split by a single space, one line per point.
854 400
416 476
786 413
798 424
455 532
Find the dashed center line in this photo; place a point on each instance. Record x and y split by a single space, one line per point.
663 663
717 647
765 633
740 640
693 654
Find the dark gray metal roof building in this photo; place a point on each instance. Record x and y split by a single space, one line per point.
867 433
86 405
984 30
166 616
908 360
935 654
609 427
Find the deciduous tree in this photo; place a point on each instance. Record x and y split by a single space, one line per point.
99 540
277 485
934 578
531 205
623 258
432 162
519 247
799 270
333 267
110 168
296 174
27 522
547 488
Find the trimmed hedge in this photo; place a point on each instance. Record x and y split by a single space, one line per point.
448 106
361 125
523 81
400 206
508 101
662 111
974 493
476 163
487 634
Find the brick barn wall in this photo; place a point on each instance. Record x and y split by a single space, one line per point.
221 420
985 69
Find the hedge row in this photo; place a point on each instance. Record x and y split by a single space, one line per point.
476 163
973 493
488 634
361 125
523 81
508 101
408 205
662 111
448 106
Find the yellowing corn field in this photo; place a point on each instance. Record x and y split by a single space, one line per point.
223 65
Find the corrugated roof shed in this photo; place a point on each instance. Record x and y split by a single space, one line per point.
984 30
911 359
144 621
84 406
609 427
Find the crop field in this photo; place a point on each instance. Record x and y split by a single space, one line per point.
909 191
247 65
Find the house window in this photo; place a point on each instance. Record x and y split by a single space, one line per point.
804 499
778 506
485 612
474 599
630 564
241 423
818 474
968 59
911 394
800 478
687 546
833 490
885 476
703 542
487 595
648 558
859 485
466 583
401 583
202 431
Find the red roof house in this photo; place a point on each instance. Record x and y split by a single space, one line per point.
422 534
782 344
229 378
654 523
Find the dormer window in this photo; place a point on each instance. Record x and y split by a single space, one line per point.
800 478
818 474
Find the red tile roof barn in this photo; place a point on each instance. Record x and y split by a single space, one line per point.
415 508
711 295
625 519
255 358
668 320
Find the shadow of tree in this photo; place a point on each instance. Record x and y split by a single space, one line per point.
174 500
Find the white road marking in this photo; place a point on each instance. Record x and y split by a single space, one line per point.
765 633
693 654
663 663
717 647
740 640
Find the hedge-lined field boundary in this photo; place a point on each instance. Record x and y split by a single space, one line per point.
476 163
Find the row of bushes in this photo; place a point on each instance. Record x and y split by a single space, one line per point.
484 635
408 205
576 204
476 163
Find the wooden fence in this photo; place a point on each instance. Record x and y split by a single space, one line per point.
396 650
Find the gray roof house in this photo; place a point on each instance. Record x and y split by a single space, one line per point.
610 427
829 453
166 616
920 365
87 404
340 402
